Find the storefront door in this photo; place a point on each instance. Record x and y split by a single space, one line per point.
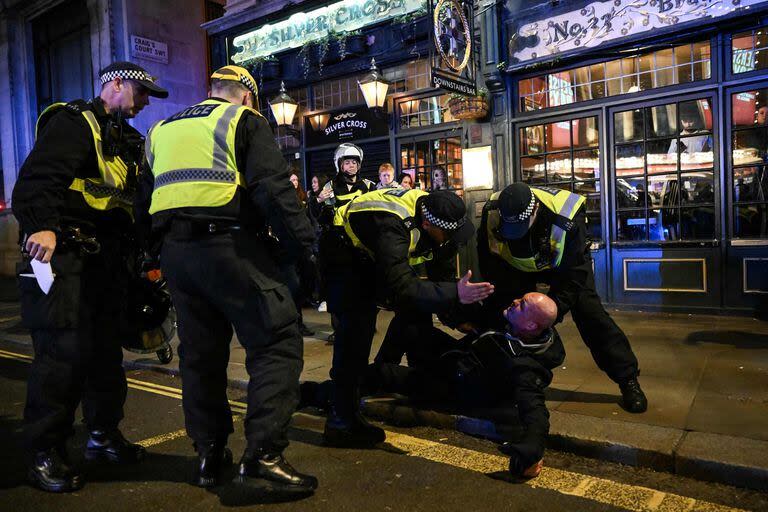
746 192
665 202
566 153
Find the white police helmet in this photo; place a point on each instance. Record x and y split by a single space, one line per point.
347 150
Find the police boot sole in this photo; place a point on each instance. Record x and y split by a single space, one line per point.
75 484
270 486
97 455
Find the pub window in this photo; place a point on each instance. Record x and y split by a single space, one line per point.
418 112
748 51
664 172
331 94
748 156
410 76
681 64
565 155
435 164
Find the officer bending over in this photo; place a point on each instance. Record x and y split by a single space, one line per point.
387 233
218 181
73 200
531 235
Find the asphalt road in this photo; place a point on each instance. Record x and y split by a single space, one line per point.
416 469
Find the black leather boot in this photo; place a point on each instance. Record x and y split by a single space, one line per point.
112 446
272 472
632 396
212 458
50 471
351 432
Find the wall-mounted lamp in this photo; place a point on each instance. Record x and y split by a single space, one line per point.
319 121
283 107
374 87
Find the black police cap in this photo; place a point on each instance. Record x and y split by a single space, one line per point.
130 71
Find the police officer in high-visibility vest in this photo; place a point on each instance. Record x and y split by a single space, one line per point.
387 233
73 200
531 235
219 196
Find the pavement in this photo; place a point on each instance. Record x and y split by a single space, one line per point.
706 378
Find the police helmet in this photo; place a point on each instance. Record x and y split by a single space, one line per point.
347 150
153 317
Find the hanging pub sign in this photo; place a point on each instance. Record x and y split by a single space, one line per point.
601 22
453 63
304 27
342 125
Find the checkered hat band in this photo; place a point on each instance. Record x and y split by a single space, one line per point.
524 215
249 84
126 74
448 225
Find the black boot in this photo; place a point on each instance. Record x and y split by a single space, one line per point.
632 396
212 458
272 472
351 432
112 446
50 471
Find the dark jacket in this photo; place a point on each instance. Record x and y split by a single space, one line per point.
341 188
397 283
269 199
566 281
64 150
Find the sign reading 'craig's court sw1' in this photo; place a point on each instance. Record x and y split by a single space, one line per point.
600 22
308 26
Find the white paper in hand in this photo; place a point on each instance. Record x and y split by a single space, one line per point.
43 274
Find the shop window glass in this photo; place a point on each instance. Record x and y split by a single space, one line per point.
435 164
565 155
663 170
428 111
749 139
681 64
749 51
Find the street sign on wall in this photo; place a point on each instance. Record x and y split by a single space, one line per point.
148 49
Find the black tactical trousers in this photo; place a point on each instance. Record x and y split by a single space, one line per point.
76 338
218 282
352 299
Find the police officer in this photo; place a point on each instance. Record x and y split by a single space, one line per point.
217 182
531 235
73 202
347 184
387 233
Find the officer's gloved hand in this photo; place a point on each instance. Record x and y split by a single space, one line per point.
518 466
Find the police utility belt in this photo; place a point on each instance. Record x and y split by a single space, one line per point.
199 227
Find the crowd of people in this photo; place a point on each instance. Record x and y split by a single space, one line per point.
243 247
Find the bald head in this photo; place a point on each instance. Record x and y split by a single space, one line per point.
531 315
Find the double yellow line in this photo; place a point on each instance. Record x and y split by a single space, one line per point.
600 490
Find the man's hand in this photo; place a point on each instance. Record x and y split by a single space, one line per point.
41 245
324 194
470 293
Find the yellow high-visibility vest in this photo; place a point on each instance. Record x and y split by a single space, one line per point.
110 189
397 201
192 156
563 203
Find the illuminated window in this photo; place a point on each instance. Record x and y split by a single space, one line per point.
681 64
664 182
748 50
435 164
565 155
749 150
415 113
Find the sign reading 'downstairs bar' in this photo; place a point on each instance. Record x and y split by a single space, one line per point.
600 22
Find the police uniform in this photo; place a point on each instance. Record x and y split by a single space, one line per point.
78 182
555 250
384 243
217 181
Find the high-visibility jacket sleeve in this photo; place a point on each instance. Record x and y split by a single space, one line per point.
270 190
389 240
63 147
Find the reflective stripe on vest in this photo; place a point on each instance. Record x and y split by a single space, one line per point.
342 199
109 190
192 156
399 202
563 203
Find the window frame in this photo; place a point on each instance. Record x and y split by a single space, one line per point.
728 73
713 97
